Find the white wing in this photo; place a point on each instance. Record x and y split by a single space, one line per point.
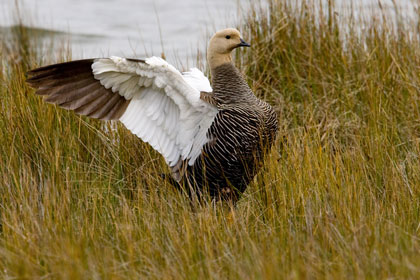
165 108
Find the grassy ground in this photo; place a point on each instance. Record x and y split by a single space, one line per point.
338 197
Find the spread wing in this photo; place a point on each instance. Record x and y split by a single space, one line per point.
150 97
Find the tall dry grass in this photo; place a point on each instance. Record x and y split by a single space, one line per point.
338 197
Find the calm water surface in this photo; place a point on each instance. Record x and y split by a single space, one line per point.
139 28
130 27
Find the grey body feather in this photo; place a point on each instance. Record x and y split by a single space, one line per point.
242 132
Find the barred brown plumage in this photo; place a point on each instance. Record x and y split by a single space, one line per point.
242 132
212 139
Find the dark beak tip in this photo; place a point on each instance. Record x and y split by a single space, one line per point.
244 44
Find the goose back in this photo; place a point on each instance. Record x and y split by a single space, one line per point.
242 131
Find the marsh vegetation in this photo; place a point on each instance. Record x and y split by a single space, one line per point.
338 196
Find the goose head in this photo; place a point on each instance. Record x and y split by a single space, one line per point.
221 46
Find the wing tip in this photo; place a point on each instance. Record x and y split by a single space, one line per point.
136 60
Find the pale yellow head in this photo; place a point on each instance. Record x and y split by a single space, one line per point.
221 45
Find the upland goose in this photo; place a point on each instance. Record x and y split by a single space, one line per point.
212 139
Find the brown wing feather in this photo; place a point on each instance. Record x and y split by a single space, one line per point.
72 86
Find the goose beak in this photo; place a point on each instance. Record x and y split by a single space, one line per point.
243 44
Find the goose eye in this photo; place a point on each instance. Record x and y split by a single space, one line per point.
227 37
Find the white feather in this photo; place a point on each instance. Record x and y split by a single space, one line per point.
165 109
197 80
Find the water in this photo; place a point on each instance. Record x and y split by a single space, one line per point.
130 27
140 28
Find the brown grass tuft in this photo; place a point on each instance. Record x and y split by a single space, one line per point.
339 195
